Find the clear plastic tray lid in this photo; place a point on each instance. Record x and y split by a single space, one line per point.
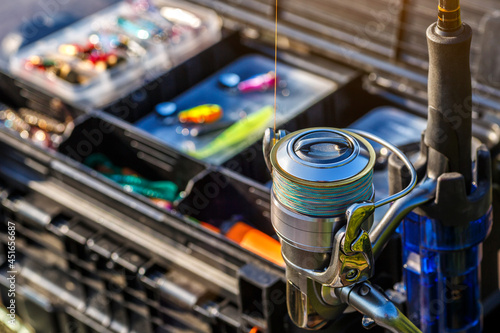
112 52
23 22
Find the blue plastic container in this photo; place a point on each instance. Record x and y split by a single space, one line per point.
441 266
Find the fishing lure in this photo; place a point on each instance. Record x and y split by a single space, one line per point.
130 181
59 68
92 54
247 237
108 41
259 82
141 28
201 114
42 121
165 204
253 240
240 131
41 129
181 17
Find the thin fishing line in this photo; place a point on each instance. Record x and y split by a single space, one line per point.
275 60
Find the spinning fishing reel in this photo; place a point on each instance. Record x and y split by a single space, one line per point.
322 205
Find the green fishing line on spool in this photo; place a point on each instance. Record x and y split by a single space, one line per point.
321 199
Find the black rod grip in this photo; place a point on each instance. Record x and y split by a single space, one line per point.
449 123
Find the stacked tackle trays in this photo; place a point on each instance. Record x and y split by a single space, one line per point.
139 54
105 260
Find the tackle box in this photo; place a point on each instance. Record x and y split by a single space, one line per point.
93 256
133 36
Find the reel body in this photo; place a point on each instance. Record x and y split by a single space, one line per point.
317 174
